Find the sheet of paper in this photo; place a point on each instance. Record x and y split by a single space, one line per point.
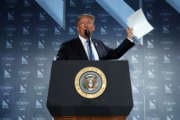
139 23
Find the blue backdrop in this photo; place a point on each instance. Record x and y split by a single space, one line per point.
30 38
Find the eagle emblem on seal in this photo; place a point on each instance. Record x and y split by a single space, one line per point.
90 82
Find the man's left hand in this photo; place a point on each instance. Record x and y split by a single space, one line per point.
129 33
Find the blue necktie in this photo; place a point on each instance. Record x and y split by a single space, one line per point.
89 49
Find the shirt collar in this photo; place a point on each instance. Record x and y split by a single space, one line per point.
83 40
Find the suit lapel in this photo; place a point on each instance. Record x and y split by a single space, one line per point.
98 48
80 49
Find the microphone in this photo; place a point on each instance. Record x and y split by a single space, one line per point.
87 33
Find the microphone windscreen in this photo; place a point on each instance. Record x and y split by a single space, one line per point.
87 33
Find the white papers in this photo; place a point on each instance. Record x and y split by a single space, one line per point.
139 24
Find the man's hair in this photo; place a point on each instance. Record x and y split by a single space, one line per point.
85 15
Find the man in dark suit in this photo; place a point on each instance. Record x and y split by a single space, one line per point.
77 49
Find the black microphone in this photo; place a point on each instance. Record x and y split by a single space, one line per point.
87 33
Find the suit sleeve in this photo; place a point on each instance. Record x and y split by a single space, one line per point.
119 51
61 55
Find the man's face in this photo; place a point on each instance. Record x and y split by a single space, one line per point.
83 24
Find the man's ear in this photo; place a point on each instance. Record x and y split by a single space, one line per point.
77 28
94 28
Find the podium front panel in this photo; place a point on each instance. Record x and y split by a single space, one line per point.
63 99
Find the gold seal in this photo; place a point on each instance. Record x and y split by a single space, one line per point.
90 82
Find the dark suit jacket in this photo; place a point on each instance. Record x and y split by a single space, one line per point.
73 50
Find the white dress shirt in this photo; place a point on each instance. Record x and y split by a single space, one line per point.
94 51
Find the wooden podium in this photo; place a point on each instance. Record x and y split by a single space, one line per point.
64 102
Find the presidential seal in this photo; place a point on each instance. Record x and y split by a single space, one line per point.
90 82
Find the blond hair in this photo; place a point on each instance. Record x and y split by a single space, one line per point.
85 15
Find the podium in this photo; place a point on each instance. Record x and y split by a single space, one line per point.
65 103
